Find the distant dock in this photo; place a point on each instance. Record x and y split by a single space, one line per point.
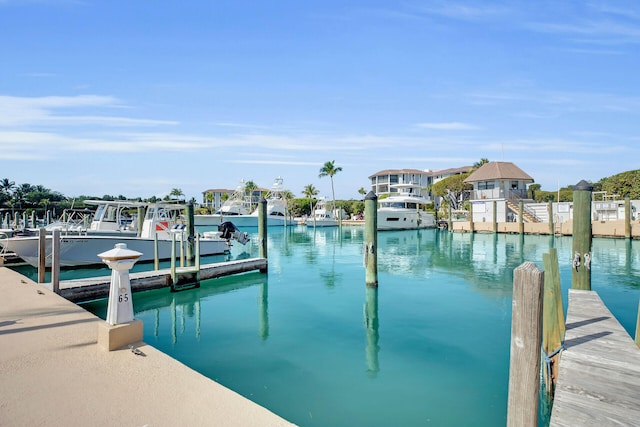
79 290
599 377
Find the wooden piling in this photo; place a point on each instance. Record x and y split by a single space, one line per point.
371 239
42 254
526 337
581 253
450 221
521 217
55 261
140 220
552 230
495 217
553 326
191 231
262 227
627 218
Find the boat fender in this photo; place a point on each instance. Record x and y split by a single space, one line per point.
576 260
587 260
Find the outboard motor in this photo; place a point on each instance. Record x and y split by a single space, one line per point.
228 230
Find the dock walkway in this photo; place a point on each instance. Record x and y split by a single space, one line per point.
599 374
54 373
78 290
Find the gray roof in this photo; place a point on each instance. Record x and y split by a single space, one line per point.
498 170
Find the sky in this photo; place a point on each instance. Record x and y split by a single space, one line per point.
137 98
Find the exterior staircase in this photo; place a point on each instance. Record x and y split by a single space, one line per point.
526 216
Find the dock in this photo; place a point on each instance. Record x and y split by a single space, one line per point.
79 290
599 375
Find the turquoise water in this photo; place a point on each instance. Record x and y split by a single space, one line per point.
312 343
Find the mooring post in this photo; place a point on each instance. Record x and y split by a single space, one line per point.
156 256
450 222
552 230
191 231
581 264
262 227
526 337
371 238
521 217
55 261
495 216
140 220
42 254
471 226
627 218
553 328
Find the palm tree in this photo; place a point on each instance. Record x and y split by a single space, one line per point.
482 161
329 169
310 191
7 186
362 191
249 188
176 193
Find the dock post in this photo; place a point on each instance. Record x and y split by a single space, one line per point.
42 254
371 239
495 217
55 261
553 326
173 260
526 337
581 268
521 217
262 228
191 231
140 220
627 218
450 222
552 230
156 256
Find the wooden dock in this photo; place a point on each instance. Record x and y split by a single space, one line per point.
599 379
98 287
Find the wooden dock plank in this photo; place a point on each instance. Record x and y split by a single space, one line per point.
599 376
98 287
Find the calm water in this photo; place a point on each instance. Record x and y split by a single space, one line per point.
310 342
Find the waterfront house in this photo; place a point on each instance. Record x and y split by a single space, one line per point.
503 183
385 182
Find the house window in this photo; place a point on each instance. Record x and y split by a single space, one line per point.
486 185
514 185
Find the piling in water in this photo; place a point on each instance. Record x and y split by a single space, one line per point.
371 239
581 264
262 228
553 319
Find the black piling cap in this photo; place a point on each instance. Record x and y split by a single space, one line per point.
371 196
583 186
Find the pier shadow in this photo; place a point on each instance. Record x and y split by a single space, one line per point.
47 326
573 342
586 322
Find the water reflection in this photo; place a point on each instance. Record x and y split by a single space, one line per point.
371 325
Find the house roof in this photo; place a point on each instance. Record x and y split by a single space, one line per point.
452 171
498 170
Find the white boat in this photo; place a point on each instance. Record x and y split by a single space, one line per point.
322 217
237 212
404 210
163 223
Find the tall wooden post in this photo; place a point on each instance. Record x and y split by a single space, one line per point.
471 226
262 227
450 222
191 233
42 254
371 238
526 336
521 217
495 216
552 226
140 220
553 329
581 254
627 218
55 261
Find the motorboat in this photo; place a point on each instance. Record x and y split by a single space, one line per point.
322 217
404 210
236 212
163 223
236 205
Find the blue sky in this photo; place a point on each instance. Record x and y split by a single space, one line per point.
138 97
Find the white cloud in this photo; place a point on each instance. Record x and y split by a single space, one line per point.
448 126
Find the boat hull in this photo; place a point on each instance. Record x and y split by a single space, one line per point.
76 251
404 220
240 221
